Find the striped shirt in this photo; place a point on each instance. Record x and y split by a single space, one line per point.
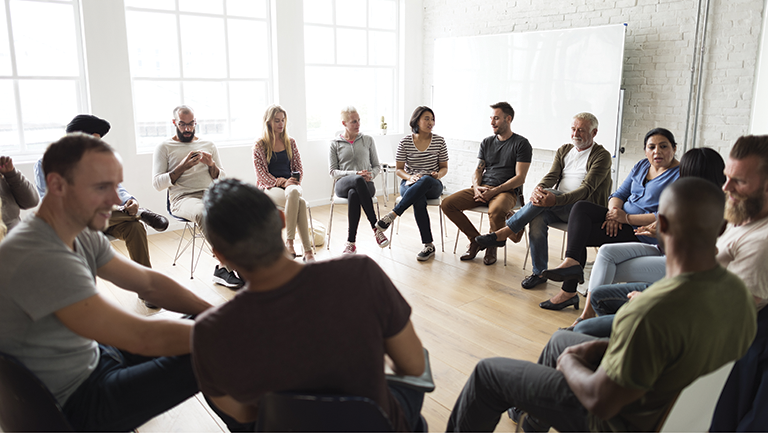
422 162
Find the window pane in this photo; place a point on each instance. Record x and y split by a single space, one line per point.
247 101
44 35
202 6
330 88
247 8
209 100
248 49
9 135
350 13
5 48
351 47
153 103
382 14
203 47
382 48
167 5
318 11
318 45
46 108
152 44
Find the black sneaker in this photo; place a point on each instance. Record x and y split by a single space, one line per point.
532 281
157 222
427 253
149 305
226 278
384 223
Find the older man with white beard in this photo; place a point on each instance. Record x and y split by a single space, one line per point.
581 170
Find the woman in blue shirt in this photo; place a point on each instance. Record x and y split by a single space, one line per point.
633 205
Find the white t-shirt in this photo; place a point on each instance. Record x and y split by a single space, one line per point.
743 250
574 169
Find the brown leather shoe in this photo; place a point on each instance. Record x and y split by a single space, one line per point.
516 236
472 251
490 256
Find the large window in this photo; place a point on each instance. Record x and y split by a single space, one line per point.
351 55
213 55
41 74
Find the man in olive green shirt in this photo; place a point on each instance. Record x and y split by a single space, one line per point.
690 323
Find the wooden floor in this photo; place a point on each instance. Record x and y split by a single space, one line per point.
463 311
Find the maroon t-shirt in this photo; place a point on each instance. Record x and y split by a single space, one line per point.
324 331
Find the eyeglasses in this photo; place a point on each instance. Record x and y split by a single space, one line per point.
190 125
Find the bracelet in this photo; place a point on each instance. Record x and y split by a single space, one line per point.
626 216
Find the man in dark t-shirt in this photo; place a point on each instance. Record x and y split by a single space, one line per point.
503 163
320 327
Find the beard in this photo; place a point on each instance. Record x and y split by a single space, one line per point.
185 137
580 144
746 208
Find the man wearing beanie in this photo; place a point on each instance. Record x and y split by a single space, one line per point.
125 223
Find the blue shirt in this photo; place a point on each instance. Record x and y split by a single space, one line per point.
642 198
42 186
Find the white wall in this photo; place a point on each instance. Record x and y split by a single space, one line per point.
658 54
759 123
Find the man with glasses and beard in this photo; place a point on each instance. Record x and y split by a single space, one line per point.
743 249
186 166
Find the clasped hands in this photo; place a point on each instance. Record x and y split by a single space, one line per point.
590 353
484 194
541 197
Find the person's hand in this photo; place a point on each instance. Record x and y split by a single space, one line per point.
479 190
542 198
611 227
633 294
488 194
365 174
192 159
131 207
435 174
591 352
206 158
280 182
649 230
616 214
6 165
290 181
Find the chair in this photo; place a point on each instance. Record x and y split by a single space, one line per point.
196 233
26 404
341 200
430 202
483 210
694 407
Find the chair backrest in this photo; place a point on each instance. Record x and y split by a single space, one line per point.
694 407
25 402
289 411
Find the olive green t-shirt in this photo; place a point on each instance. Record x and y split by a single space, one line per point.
679 329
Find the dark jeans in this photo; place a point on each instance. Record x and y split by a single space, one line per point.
124 391
539 389
606 301
584 231
410 401
359 193
416 195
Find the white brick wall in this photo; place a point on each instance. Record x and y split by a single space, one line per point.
658 54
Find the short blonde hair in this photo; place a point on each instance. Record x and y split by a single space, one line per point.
346 112
587 117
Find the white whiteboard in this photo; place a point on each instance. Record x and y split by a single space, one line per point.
546 76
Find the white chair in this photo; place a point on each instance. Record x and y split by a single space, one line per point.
694 407
341 200
483 210
430 202
196 235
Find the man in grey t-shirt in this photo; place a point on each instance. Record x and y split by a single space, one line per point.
503 163
109 369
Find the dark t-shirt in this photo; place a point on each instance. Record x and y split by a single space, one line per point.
501 156
324 331
280 165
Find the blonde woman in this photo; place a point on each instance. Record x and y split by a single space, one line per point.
278 172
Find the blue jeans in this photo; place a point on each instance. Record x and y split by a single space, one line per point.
410 401
416 195
124 390
606 301
538 218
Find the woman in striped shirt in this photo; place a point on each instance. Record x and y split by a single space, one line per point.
422 159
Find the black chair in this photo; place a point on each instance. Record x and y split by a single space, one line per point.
303 412
25 402
196 235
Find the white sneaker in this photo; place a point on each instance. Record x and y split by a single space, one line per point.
350 248
384 223
427 253
380 238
